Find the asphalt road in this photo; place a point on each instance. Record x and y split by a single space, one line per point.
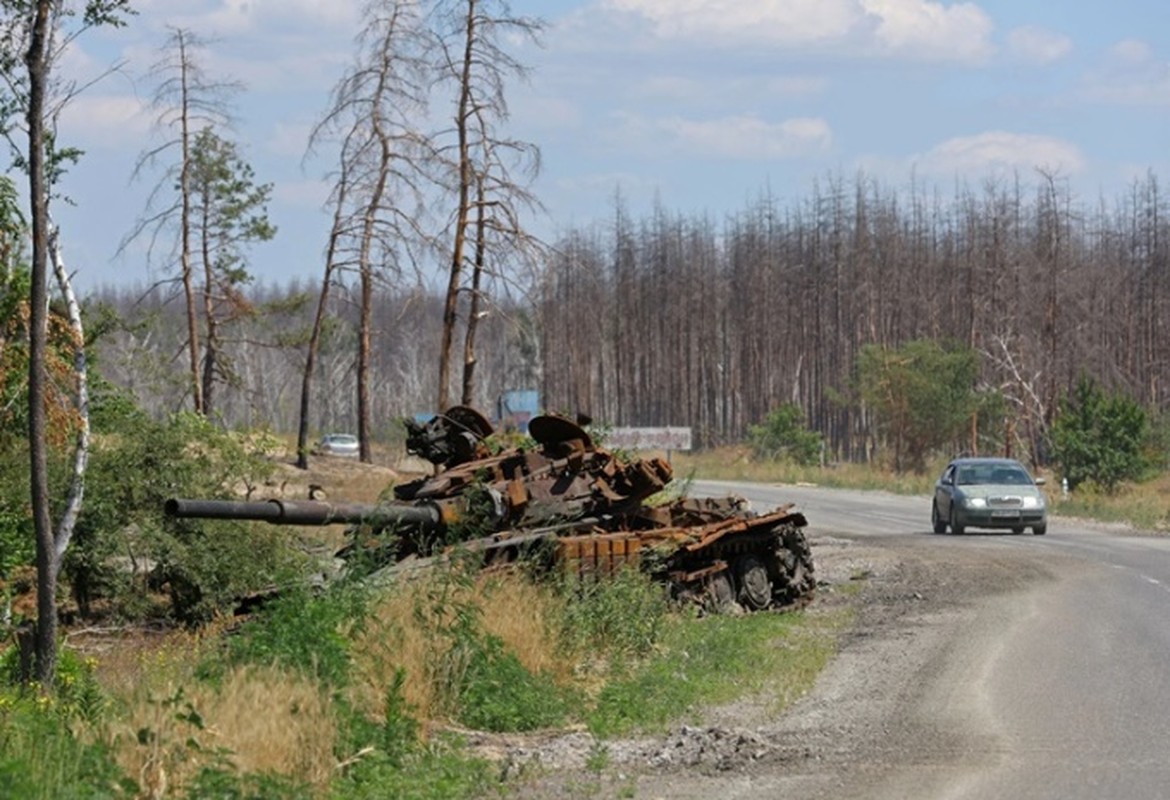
1053 688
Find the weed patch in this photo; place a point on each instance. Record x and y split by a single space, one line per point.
712 660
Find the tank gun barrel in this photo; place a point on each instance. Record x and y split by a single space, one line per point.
307 512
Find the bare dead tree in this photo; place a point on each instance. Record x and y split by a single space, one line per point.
472 60
380 181
503 249
186 101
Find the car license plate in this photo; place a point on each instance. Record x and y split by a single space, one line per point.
1006 514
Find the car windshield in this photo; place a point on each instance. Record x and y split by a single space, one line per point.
1003 474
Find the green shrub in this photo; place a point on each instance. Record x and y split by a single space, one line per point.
40 754
1099 437
77 694
783 436
204 566
304 631
620 617
498 694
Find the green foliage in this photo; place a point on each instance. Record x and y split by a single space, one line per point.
225 782
307 632
476 678
40 754
1157 449
124 549
622 616
498 694
783 436
398 735
438 770
922 395
42 759
76 694
136 464
1099 437
709 660
231 207
17 539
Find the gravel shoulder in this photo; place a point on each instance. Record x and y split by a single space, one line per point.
866 724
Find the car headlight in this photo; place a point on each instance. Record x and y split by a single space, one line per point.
1033 502
975 502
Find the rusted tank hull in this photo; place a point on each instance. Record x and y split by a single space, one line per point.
564 501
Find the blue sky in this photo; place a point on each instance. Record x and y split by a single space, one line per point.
701 105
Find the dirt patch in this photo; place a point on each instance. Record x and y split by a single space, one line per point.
329 478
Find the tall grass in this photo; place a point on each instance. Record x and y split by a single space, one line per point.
1144 505
714 660
352 693
254 721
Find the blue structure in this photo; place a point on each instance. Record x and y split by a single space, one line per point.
514 408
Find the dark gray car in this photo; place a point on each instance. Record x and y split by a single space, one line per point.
988 493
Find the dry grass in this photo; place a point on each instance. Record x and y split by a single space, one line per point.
737 463
401 635
524 616
257 719
260 719
1143 505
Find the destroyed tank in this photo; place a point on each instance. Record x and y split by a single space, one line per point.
561 503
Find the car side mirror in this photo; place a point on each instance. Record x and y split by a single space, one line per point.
1040 481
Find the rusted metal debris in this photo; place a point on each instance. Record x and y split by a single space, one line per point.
566 504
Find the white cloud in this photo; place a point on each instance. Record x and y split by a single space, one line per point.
995 151
307 194
776 21
289 139
222 17
1132 75
930 30
738 137
106 121
915 29
1037 45
686 89
1133 51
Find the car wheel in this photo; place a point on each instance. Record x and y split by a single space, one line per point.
1018 530
1040 530
956 528
938 523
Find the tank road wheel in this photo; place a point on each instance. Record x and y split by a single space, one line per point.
719 593
755 586
793 578
937 522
